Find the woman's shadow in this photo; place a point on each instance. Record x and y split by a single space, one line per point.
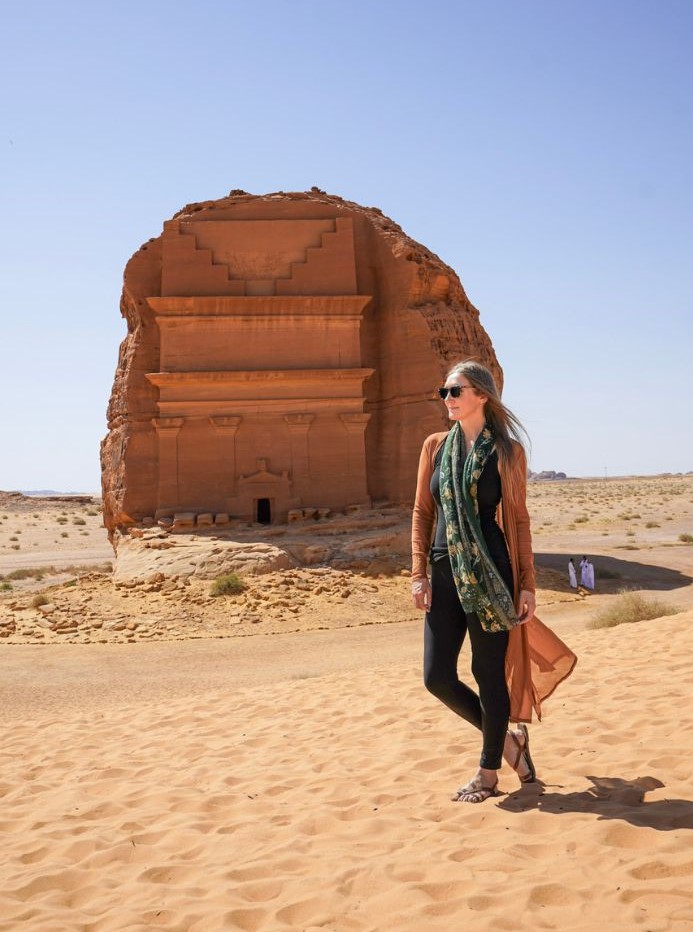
607 798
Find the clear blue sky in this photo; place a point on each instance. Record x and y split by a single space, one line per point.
543 149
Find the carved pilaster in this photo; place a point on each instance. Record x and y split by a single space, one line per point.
355 426
226 428
167 429
299 425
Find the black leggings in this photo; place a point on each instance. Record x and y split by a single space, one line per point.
446 624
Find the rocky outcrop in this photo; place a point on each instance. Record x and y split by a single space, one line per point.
282 354
186 556
369 541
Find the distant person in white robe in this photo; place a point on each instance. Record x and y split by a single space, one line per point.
572 577
583 572
589 575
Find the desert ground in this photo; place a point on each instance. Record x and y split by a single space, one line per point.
271 761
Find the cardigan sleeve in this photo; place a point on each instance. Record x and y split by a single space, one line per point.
423 516
525 554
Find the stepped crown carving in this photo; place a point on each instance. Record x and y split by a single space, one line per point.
258 257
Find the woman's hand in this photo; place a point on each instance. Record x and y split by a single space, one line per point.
421 593
527 604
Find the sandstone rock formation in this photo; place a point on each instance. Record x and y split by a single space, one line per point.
282 354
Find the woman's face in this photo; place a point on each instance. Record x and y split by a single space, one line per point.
468 405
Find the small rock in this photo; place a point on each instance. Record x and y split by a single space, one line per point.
184 520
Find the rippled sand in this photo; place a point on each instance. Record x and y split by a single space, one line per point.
316 797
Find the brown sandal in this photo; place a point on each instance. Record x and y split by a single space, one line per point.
474 792
523 752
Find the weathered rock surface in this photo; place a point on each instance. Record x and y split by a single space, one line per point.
369 540
189 555
282 355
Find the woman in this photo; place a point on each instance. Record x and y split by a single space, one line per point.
482 577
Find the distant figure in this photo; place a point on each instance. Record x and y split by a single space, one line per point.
572 577
583 572
589 575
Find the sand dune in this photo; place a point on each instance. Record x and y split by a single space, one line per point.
321 802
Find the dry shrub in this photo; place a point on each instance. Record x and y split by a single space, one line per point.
686 538
630 607
39 600
230 584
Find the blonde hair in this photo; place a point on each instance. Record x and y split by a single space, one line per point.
505 425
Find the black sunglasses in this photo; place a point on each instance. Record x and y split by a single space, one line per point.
454 391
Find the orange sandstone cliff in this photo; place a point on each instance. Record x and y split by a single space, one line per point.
282 354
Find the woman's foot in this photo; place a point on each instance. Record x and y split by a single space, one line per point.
516 753
476 791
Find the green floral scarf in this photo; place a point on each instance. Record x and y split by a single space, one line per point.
479 584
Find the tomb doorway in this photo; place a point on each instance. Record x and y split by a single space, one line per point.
263 511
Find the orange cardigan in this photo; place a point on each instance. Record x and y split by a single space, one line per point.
536 660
